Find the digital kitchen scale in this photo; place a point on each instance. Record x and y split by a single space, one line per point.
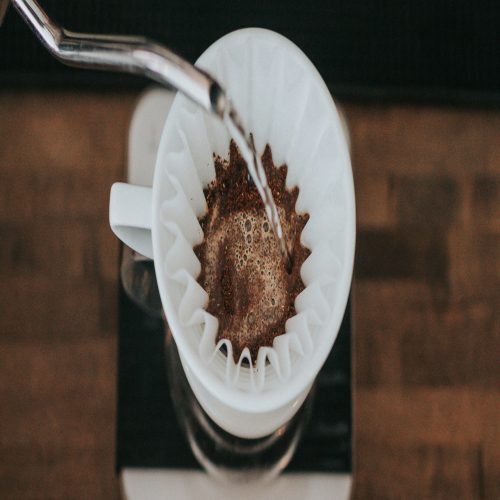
154 459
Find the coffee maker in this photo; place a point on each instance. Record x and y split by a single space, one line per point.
164 435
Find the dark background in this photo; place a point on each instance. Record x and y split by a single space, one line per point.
445 50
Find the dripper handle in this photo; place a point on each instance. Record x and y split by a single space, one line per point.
130 215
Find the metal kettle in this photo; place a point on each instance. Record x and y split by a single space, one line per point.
126 54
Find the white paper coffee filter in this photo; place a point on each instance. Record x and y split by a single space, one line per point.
282 102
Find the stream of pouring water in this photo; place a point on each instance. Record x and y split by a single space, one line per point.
246 146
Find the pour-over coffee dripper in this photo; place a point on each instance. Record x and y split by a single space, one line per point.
284 102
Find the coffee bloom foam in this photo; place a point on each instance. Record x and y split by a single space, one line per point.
256 255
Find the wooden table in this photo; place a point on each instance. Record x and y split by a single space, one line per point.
426 292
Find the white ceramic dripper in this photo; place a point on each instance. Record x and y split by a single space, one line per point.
284 102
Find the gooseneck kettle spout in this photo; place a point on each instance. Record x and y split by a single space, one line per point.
126 54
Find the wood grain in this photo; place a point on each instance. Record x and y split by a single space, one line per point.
427 302
426 298
59 154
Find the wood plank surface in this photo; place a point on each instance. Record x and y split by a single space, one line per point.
59 154
426 298
427 302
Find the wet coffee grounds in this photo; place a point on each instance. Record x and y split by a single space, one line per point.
250 291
